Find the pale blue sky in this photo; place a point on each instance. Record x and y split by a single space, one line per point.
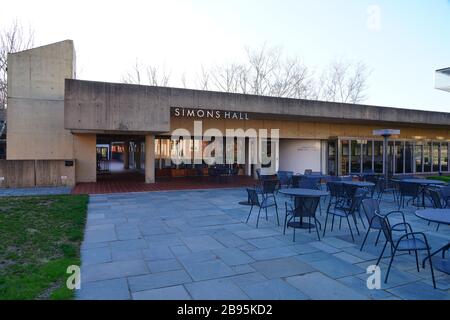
410 43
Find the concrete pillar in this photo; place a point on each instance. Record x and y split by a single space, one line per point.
126 155
149 159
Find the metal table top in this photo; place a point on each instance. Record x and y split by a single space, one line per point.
435 215
299 192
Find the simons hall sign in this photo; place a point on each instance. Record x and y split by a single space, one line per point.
207 113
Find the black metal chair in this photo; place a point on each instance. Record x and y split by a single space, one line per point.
408 190
372 211
343 209
266 202
309 182
382 187
410 241
445 194
285 178
304 207
436 200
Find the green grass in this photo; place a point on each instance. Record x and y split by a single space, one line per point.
39 238
443 178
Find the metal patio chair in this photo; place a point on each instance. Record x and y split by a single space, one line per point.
285 178
408 190
266 202
410 241
382 187
436 200
304 207
445 194
344 210
372 211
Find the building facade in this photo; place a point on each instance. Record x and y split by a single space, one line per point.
53 116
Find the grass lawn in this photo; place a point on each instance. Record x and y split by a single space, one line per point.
39 238
443 178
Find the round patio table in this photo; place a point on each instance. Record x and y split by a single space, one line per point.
359 184
300 192
439 216
424 183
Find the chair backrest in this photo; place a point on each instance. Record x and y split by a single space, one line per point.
445 194
436 198
285 177
345 178
409 189
305 206
357 198
258 173
253 197
296 181
309 183
269 186
371 208
350 190
336 189
386 227
308 171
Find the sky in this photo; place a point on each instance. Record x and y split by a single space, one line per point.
402 42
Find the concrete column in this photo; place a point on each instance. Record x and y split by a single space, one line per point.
149 159
126 155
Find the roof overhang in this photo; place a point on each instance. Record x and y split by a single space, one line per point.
442 79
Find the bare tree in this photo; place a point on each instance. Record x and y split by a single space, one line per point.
203 79
12 40
344 82
266 71
156 76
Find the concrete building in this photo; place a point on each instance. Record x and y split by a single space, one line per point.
53 116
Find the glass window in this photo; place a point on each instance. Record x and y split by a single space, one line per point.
409 157
390 157
367 156
345 157
436 157
378 156
331 166
356 156
427 157
418 156
444 156
399 148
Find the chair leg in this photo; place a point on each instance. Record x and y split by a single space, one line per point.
325 226
278 218
340 223
285 223
378 237
350 227
332 223
365 238
417 261
267 219
249 214
317 227
431 267
294 232
389 267
257 220
382 252
356 223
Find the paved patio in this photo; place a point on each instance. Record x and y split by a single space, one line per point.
196 245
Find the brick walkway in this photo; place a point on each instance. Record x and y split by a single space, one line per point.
134 182
196 245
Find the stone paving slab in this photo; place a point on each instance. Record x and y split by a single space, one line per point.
196 245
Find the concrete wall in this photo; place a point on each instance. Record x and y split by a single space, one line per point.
108 106
85 154
30 173
298 155
105 107
35 111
